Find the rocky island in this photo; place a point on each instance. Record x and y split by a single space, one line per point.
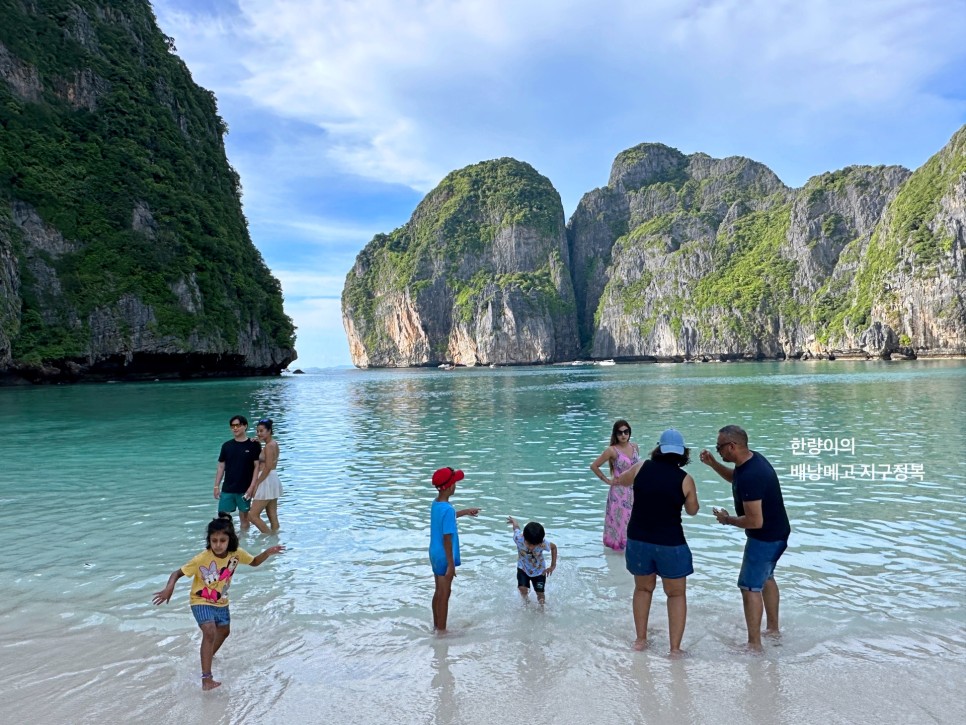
680 257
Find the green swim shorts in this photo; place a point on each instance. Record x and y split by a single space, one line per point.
230 501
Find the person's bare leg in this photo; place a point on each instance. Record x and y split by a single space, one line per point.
272 510
243 518
643 592
771 597
208 638
525 593
436 594
677 610
752 603
444 587
255 516
221 634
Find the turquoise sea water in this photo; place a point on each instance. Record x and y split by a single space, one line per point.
107 488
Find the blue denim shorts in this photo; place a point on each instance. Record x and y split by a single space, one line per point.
205 613
758 563
668 562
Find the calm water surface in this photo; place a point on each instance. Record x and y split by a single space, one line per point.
107 488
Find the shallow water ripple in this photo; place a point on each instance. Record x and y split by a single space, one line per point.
338 628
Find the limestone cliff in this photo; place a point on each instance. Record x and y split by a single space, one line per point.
909 281
479 275
684 257
123 248
678 257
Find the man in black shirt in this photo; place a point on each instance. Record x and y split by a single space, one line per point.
237 464
761 513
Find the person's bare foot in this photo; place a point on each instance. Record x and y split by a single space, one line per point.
640 644
772 633
208 683
676 654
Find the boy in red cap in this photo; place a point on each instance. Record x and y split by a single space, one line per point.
444 541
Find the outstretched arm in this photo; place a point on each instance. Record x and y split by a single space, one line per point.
722 470
553 558
270 551
468 512
628 476
165 594
513 522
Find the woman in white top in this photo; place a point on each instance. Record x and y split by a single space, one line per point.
266 488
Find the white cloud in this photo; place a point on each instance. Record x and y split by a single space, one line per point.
405 91
382 78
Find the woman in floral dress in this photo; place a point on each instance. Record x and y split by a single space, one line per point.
621 455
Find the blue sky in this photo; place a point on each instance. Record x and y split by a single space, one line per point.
343 114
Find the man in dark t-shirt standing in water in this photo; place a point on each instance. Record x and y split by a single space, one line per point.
237 463
761 513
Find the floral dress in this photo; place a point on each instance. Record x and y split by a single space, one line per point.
620 501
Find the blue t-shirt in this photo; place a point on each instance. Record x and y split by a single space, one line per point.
756 480
442 521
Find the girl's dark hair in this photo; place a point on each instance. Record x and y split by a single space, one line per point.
266 423
675 459
533 533
223 524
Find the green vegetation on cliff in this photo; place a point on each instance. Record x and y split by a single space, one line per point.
748 276
471 205
752 277
917 204
453 234
537 287
908 238
115 125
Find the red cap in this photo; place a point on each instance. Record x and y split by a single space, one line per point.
446 477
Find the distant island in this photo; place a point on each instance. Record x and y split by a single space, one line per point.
680 257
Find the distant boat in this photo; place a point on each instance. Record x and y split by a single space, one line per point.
606 362
494 365
581 362
447 366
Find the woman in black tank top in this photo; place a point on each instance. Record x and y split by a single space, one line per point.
655 537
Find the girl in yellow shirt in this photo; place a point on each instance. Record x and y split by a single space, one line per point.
212 571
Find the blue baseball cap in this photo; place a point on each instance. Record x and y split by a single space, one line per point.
671 442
